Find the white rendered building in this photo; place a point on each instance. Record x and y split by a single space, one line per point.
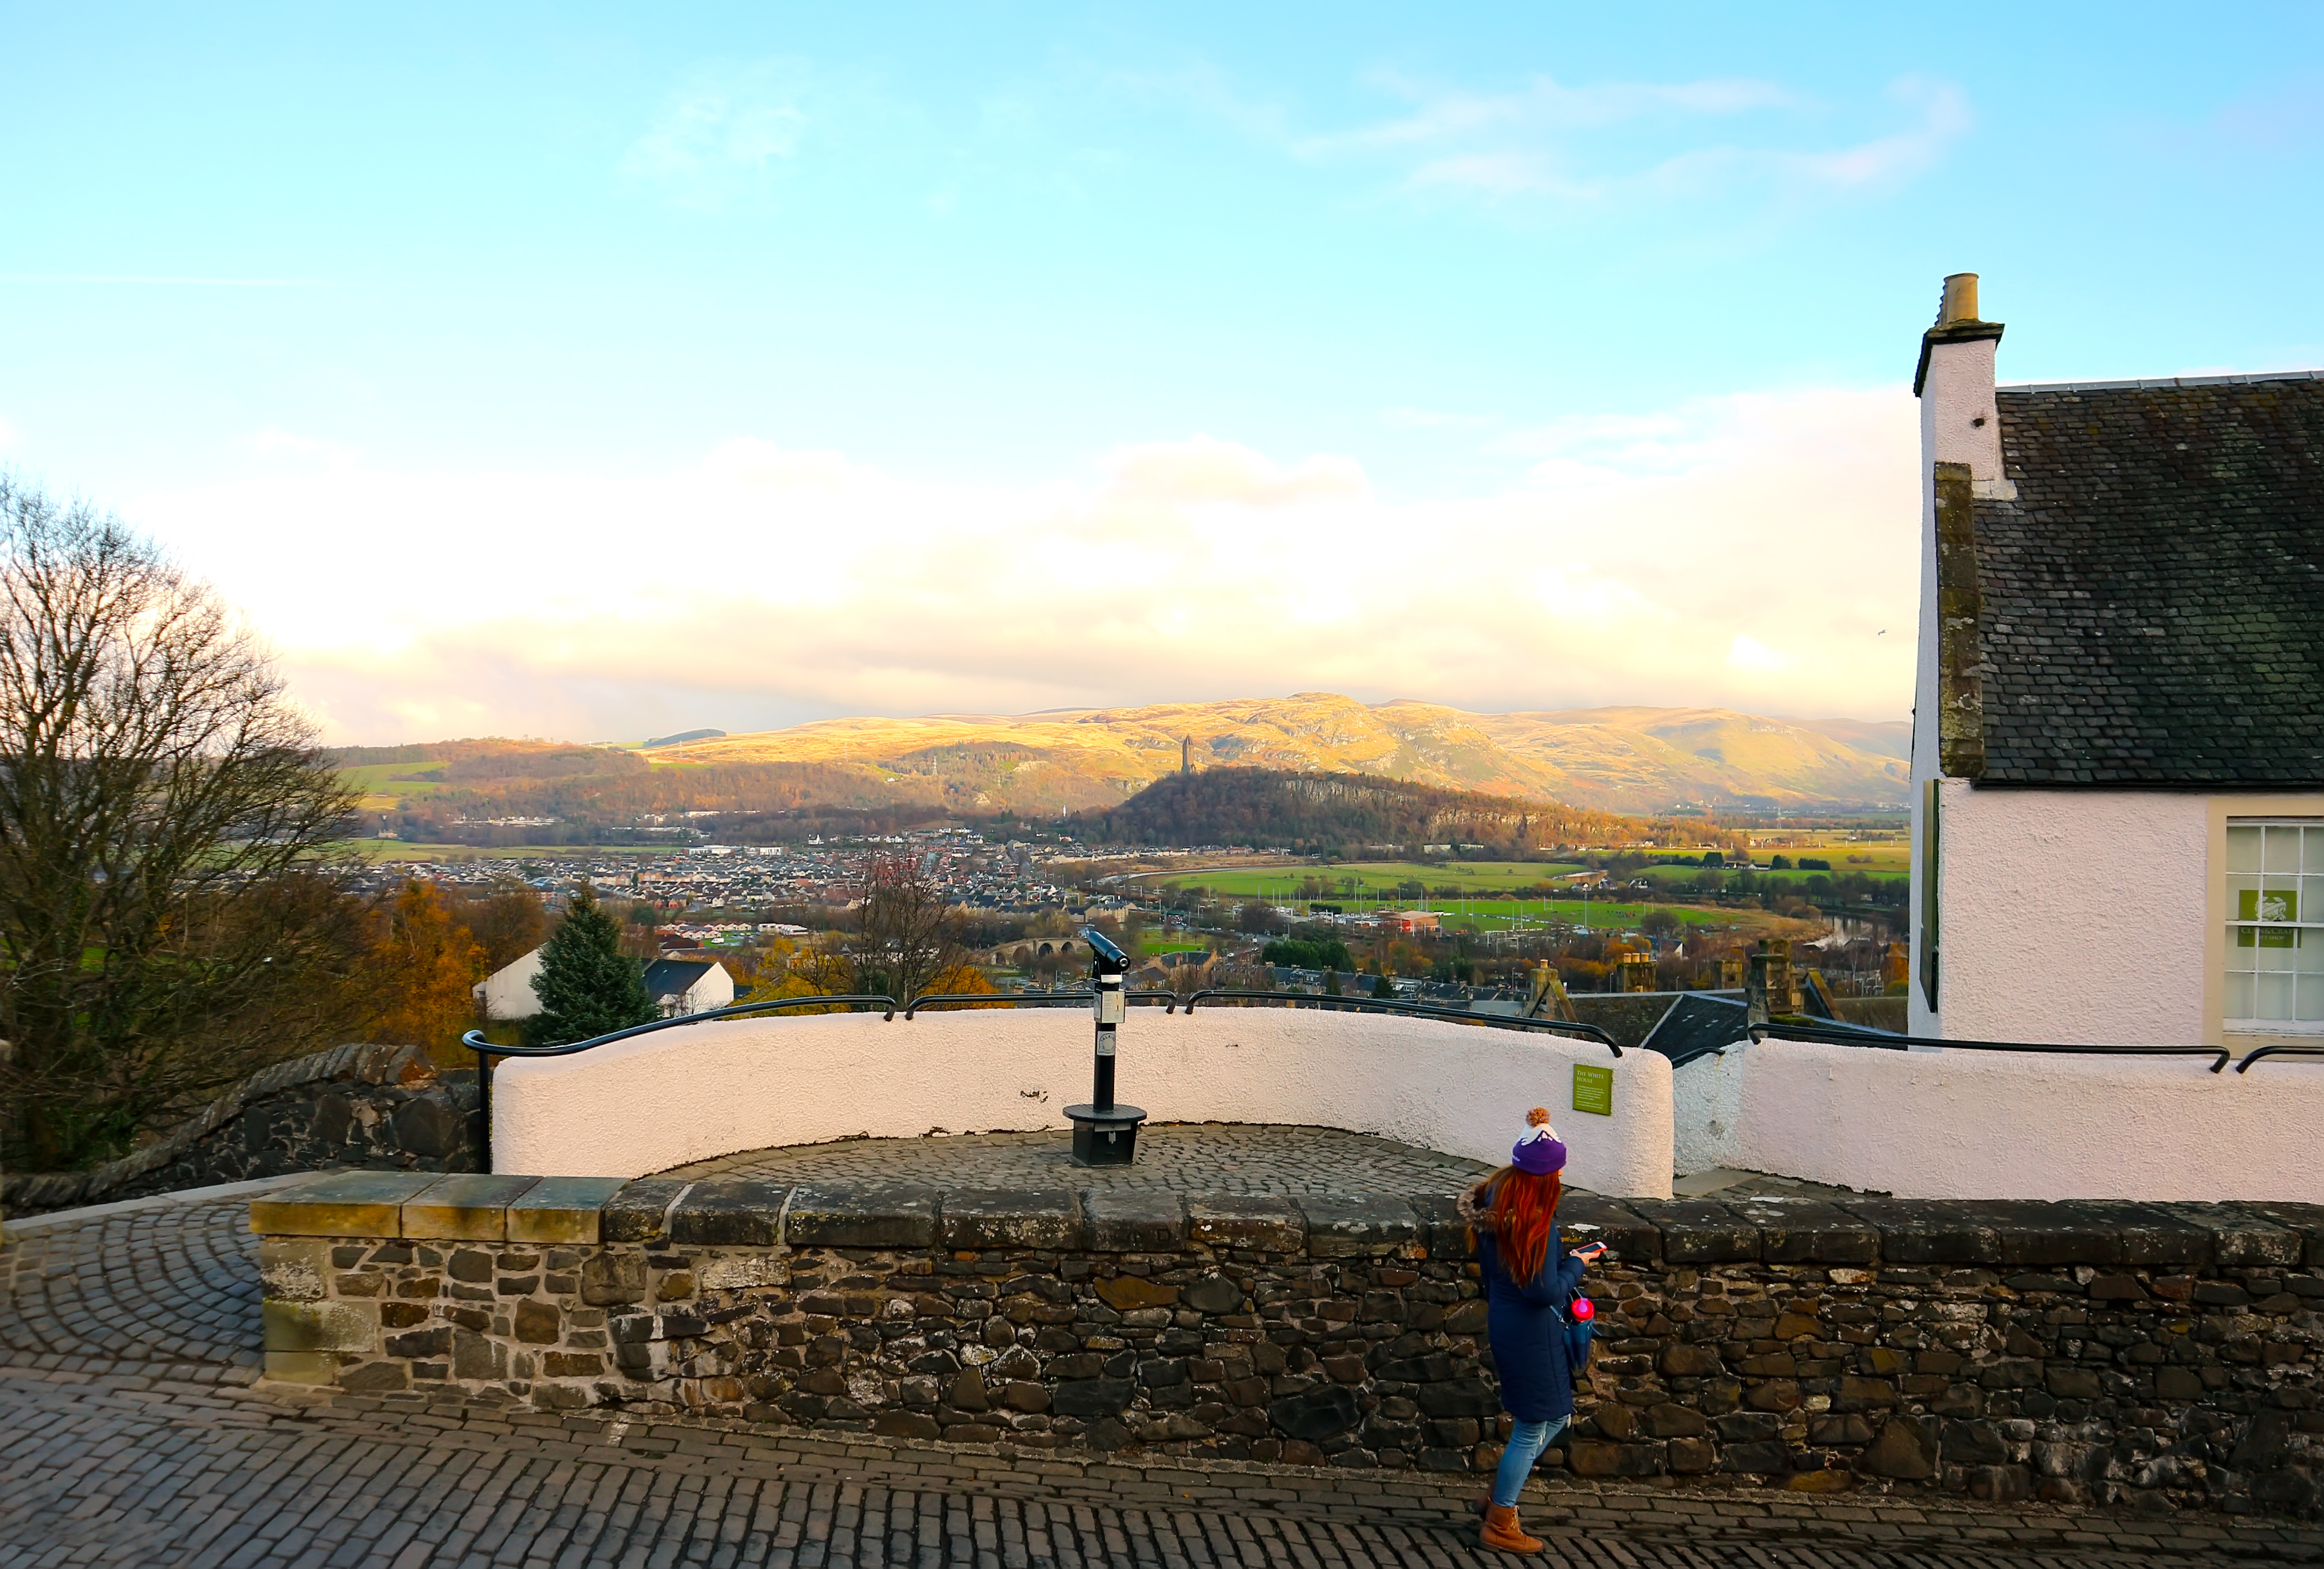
2118 729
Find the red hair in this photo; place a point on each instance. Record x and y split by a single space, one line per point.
1524 1203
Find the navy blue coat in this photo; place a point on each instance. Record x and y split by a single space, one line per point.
1527 1326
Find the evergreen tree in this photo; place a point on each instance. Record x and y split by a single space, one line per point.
587 985
1384 988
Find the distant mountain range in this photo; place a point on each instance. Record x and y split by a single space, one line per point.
1618 759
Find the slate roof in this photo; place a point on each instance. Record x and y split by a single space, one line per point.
2152 599
672 977
1697 1024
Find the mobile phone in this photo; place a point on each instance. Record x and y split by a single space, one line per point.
1589 1250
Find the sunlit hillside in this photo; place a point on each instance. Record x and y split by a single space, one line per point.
1630 759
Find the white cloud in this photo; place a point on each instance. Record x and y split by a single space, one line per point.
1747 653
1739 551
1205 471
734 130
1626 144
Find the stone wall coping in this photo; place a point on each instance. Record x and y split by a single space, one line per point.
1848 1232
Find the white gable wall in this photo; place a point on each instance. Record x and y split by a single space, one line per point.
507 993
2077 917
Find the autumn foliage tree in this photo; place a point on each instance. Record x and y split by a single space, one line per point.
425 963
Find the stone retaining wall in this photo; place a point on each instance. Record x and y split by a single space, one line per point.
385 1107
2158 1355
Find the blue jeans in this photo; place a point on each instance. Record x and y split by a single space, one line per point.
1524 1447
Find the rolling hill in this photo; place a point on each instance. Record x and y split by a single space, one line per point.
1335 814
1618 759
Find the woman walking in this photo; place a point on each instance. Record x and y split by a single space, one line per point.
1529 1279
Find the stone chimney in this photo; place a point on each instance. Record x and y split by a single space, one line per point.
1187 755
1774 987
1954 384
1638 972
1960 465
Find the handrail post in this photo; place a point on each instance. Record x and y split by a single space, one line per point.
484 1103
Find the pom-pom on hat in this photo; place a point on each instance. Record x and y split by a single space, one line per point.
1538 1148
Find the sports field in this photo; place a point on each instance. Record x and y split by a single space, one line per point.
1373 879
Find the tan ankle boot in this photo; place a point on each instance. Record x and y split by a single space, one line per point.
1502 1531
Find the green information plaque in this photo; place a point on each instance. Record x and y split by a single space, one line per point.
1594 1089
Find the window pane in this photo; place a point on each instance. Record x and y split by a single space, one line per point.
2239 997
2278 900
2311 998
2242 850
2280 850
2308 952
2243 949
2274 1000
2315 856
2274 952
2242 902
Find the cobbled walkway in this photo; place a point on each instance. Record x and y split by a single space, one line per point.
1189 1157
130 1435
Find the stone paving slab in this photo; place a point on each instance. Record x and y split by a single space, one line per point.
130 1434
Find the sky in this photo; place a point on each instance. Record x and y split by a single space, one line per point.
597 372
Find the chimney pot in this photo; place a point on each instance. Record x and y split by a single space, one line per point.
1959 303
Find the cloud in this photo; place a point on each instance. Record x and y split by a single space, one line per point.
1621 144
1203 471
734 130
1747 653
1738 551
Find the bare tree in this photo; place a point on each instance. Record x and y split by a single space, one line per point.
164 925
905 935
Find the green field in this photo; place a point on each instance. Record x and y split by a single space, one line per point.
1787 878
382 789
1374 879
1526 914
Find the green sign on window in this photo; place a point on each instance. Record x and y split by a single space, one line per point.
2271 904
1594 1089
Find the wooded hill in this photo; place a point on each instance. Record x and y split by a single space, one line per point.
1346 814
450 793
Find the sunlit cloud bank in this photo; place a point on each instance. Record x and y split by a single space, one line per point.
1747 552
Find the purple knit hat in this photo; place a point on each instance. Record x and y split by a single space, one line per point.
1538 1149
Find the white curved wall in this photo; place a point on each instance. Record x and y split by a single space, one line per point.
1706 1112
679 1096
1982 1125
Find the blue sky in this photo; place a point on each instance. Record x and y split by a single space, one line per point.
586 372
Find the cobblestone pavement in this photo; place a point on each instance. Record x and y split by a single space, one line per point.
129 1434
1191 1157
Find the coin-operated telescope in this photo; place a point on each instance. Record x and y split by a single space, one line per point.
1105 1134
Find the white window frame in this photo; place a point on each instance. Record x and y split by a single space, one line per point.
2304 932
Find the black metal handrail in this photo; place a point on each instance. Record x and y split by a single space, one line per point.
1850 1037
1413 1010
2284 1050
1029 1000
475 1039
